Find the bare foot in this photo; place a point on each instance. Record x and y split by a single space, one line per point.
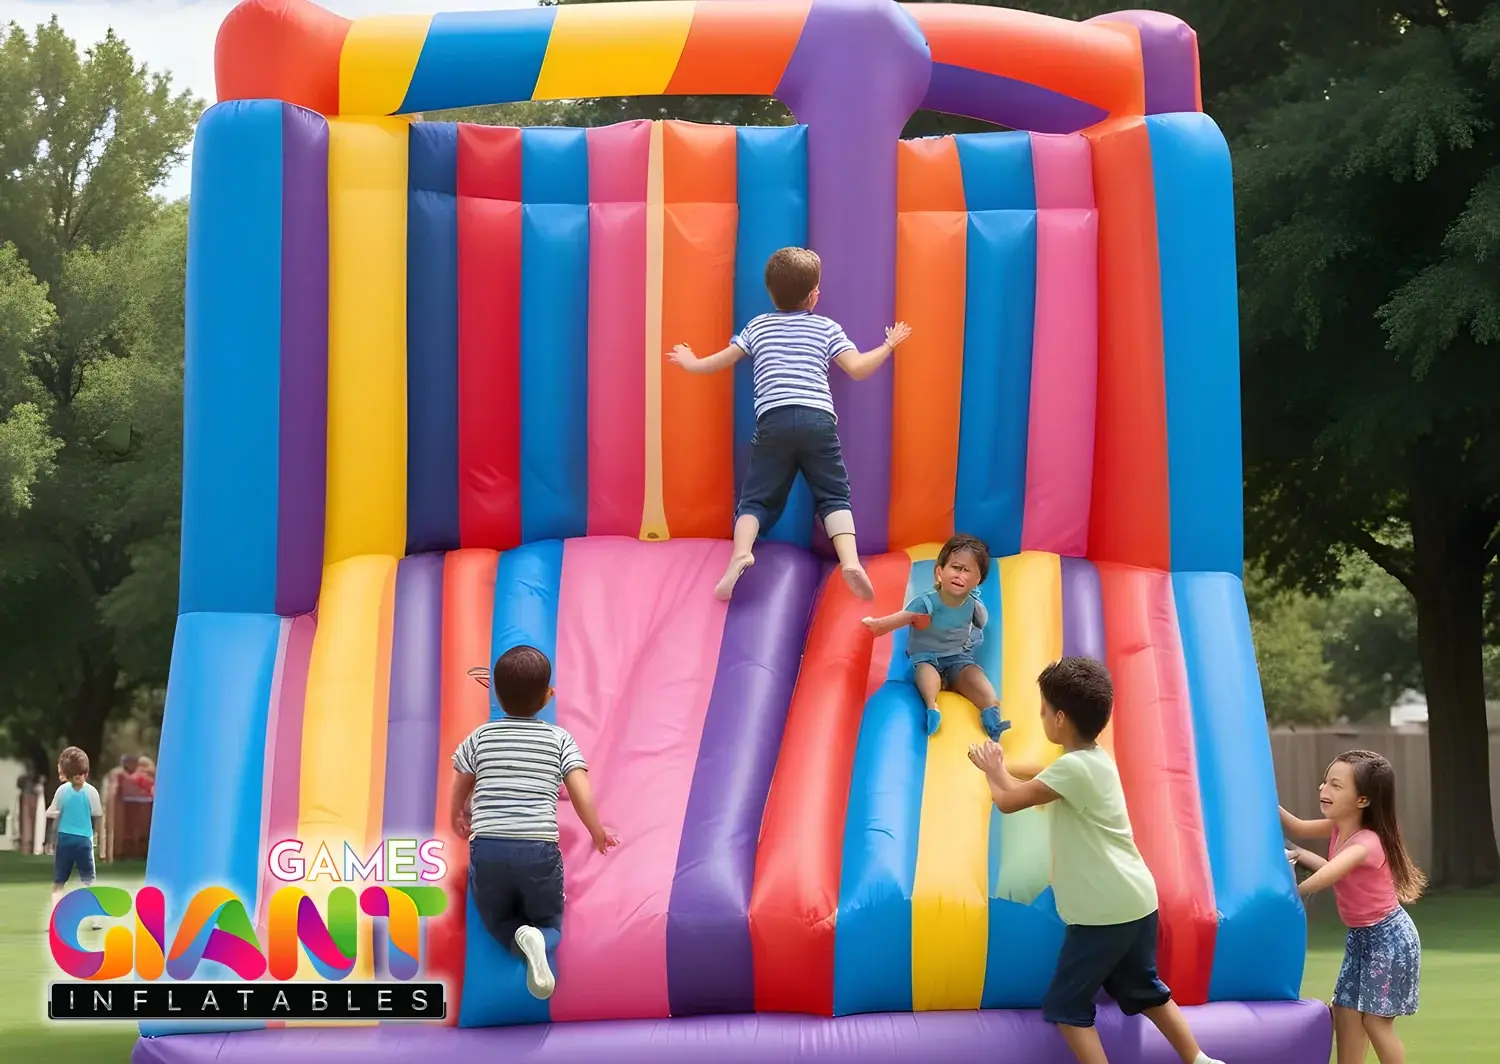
859 582
737 565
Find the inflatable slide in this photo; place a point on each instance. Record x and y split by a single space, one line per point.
428 419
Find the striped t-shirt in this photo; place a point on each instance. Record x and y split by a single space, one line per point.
790 351
519 764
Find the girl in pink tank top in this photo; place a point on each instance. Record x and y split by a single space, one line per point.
1371 875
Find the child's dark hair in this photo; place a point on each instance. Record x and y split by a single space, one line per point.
974 545
520 679
1081 690
791 276
1375 781
73 763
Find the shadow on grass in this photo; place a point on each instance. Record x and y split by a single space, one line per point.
27 868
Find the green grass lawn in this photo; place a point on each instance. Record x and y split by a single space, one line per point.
1460 974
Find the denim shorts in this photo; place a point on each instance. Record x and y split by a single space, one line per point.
516 883
949 666
1120 958
73 851
789 439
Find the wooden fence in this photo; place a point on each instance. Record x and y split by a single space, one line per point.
1302 756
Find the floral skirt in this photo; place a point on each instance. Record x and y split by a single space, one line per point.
1382 970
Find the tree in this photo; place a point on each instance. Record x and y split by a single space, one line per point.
1368 207
88 571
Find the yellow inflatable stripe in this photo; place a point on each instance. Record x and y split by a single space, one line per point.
926 552
950 910
654 507
366 492
1031 639
613 49
344 724
379 56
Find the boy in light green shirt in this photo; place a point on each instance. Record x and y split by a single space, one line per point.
1105 893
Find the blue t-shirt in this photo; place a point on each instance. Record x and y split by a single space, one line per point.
952 630
76 809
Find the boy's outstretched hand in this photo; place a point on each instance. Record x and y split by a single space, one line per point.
897 334
606 840
683 355
987 758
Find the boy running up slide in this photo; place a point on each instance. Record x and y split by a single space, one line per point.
795 424
513 769
1105 893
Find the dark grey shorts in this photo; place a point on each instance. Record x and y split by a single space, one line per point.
788 439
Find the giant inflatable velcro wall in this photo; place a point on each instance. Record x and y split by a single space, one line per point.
428 419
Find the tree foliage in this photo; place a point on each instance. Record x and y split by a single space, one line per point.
91 336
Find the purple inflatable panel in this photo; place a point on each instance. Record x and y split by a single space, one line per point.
1286 1032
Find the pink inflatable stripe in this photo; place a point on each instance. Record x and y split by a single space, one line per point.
1064 361
1064 372
1062 169
617 328
283 777
637 649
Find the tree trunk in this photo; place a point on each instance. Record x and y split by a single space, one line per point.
94 702
1448 541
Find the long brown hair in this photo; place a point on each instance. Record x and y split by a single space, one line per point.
1375 781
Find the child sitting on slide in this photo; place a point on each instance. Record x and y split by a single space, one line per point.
947 624
513 768
795 423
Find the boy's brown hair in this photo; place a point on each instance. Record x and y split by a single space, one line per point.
974 545
1081 690
73 763
521 679
791 276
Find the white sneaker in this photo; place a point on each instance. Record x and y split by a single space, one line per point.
1204 1058
539 979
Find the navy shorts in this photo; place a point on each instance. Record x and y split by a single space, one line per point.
73 851
516 883
788 439
949 666
1119 958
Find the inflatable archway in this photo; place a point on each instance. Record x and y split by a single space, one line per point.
427 419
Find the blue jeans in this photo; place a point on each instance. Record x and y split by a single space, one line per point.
949 666
1121 958
517 883
73 851
789 438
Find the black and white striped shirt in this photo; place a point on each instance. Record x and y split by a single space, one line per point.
790 352
519 764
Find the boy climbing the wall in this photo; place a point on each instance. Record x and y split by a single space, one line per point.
795 423
513 769
1105 893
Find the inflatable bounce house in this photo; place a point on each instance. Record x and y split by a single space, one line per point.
429 418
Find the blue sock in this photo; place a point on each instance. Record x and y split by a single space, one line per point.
934 721
994 727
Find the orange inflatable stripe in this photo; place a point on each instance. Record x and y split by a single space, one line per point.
468 617
794 902
738 47
931 268
929 176
1128 515
1090 62
697 423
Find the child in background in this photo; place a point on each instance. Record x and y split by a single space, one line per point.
513 768
947 624
1105 893
795 423
77 809
1371 875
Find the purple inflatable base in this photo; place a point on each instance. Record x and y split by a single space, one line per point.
1287 1032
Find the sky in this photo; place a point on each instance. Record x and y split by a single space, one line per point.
177 36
